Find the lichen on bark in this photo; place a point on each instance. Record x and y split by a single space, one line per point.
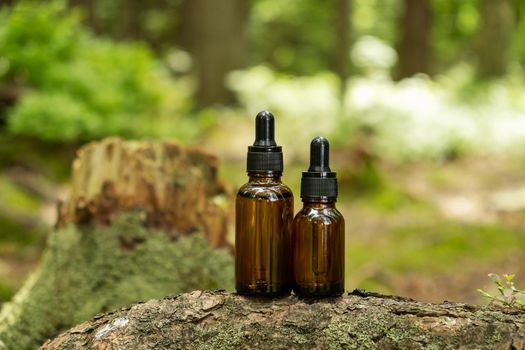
360 320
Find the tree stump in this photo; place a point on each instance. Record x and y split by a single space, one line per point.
144 220
361 320
176 188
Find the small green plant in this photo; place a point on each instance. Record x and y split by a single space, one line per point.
509 295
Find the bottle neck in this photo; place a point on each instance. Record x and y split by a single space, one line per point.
264 177
318 203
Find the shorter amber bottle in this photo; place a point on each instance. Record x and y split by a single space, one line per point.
318 230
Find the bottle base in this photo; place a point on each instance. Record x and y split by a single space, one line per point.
319 290
264 290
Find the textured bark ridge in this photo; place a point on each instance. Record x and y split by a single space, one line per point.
144 220
219 320
176 187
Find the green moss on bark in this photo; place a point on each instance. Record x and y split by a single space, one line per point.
102 268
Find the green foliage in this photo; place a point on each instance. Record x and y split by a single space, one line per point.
18 203
53 116
77 87
33 38
408 248
376 18
509 295
519 43
6 293
15 196
307 105
299 36
415 119
274 29
454 31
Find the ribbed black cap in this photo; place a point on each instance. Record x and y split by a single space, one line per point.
264 154
319 182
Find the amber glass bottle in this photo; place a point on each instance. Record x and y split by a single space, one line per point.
263 219
318 230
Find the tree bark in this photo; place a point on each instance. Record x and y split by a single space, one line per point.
361 320
214 32
414 47
342 10
89 11
495 37
7 3
143 221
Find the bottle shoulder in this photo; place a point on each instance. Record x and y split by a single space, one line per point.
272 191
327 215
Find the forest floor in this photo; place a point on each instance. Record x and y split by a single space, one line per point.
429 231
437 230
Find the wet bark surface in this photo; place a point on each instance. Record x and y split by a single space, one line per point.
359 320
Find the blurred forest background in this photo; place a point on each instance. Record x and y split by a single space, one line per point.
423 102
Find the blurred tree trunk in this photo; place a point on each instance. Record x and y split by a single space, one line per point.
414 46
214 32
495 37
343 30
7 2
89 8
131 26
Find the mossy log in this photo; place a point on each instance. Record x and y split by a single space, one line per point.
360 320
144 220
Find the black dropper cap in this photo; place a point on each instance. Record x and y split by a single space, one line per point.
264 154
319 182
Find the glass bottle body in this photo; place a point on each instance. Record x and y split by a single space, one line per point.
318 250
263 233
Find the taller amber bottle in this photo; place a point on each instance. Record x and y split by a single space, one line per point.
263 219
